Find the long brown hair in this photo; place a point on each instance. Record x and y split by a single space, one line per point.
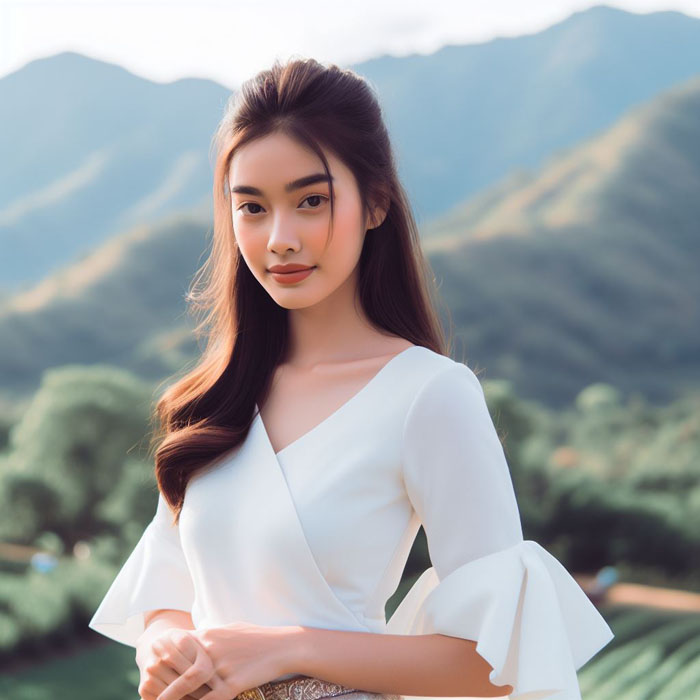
209 410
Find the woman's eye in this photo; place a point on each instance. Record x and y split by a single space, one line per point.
315 200
316 197
250 204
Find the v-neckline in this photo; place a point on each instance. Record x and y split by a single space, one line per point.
357 395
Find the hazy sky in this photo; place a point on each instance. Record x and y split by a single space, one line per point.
229 40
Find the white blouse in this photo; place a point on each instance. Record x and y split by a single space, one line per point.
318 534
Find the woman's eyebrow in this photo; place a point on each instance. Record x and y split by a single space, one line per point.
289 187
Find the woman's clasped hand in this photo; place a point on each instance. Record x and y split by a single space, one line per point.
215 663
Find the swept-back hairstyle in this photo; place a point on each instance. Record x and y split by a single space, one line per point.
209 410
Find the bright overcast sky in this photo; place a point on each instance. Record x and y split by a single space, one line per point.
230 40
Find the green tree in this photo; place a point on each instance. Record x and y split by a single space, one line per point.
67 453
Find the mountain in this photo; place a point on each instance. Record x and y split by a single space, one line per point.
587 270
94 150
582 271
467 115
122 304
90 149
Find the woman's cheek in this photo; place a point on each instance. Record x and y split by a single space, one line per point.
254 258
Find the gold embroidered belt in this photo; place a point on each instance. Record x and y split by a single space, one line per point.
300 688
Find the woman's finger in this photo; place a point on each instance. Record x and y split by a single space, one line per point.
178 654
194 674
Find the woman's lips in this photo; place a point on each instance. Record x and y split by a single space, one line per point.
292 277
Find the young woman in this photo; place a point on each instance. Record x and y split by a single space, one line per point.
323 425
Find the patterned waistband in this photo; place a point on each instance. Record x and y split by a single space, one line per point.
302 688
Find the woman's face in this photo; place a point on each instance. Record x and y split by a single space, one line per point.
278 219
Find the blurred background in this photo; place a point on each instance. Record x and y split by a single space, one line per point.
552 154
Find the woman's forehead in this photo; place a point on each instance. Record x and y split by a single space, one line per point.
279 146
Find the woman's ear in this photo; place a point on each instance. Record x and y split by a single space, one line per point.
377 214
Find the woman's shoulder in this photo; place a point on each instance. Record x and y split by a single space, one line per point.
428 364
439 379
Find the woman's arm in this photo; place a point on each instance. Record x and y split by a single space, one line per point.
428 664
178 618
155 621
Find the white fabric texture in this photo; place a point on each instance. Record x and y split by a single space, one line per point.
154 576
532 622
318 534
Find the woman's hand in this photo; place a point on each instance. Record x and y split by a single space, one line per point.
229 659
162 655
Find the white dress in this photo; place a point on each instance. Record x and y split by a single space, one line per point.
318 535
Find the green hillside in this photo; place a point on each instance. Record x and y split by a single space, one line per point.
584 271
